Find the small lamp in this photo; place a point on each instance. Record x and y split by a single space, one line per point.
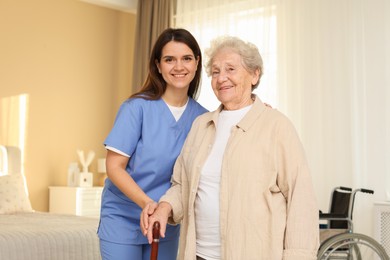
102 169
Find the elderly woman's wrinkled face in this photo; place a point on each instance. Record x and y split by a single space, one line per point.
231 82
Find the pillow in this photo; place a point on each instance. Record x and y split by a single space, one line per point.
13 194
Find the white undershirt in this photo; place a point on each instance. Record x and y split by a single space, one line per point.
207 200
177 111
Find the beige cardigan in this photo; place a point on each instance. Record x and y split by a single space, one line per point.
268 208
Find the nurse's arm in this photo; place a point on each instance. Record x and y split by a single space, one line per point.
116 171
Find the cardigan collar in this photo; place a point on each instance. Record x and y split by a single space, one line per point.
256 110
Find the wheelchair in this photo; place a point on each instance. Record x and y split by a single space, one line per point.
338 241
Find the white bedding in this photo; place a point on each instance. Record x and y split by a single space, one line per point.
48 236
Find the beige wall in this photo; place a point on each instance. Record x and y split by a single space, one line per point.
73 60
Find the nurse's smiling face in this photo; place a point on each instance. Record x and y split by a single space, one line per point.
177 65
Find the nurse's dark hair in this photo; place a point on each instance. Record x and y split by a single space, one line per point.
155 85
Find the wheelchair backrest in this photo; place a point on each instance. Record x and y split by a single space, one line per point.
340 205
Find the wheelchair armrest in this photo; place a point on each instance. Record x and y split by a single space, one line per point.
331 216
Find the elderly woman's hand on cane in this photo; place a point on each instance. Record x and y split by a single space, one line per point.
161 215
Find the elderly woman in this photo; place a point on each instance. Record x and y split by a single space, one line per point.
241 187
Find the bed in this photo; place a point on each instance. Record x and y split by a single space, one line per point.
28 234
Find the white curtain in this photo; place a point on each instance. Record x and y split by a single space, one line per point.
246 19
327 67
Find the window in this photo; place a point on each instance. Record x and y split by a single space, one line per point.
245 19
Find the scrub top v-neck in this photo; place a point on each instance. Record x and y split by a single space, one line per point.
148 133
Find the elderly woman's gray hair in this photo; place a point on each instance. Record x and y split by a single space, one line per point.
249 53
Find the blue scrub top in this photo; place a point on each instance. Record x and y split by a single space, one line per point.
147 131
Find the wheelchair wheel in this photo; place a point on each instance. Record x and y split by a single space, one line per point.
351 246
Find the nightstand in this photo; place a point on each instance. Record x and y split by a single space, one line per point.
80 201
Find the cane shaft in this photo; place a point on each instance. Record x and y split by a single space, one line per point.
155 242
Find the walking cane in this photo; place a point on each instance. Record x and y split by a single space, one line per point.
156 240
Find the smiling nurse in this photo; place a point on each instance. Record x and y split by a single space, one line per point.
147 136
